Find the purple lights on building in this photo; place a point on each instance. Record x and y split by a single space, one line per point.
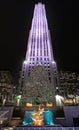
39 46
39 50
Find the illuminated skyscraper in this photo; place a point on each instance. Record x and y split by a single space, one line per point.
39 49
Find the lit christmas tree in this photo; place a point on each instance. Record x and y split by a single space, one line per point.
37 87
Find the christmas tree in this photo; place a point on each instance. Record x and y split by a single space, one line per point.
37 87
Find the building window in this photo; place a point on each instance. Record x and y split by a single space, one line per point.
44 52
41 53
37 58
45 59
37 43
41 59
33 53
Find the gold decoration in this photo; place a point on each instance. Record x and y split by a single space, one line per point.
28 104
38 117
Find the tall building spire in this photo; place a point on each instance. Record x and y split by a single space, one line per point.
39 50
39 45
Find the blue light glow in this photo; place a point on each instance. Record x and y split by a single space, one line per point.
48 118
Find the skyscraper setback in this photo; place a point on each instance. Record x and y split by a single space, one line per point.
39 49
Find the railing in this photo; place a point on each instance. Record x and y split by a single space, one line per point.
39 128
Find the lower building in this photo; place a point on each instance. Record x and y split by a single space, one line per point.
6 85
69 83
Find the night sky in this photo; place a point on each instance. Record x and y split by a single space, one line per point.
15 23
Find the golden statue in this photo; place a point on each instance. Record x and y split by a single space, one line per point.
38 117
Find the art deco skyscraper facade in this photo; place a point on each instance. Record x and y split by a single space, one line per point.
39 49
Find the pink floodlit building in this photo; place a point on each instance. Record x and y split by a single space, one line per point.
39 49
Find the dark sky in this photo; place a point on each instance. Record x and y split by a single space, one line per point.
15 23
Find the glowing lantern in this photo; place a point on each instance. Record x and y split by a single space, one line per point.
49 104
28 104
